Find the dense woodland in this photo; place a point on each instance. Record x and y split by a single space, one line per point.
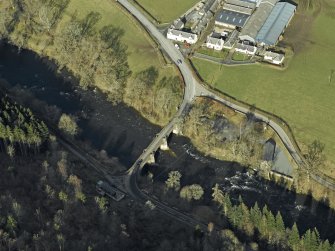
48 201
263 225
44 205
250 223
20 131
96 56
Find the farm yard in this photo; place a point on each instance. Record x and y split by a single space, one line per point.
302 94
166 11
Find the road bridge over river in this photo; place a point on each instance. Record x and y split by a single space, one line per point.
193 88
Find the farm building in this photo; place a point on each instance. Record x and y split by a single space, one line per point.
229 43
256 21
178 24
240 6
274 58
182 36
269 150
209 5
257 2
275 24
231 19
214 43
202 24
245 48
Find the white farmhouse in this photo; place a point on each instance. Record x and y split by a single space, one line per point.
245 48
214 43
274 58
182 36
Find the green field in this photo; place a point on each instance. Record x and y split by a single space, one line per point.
166 11
240 56
302 94
142 51
213 53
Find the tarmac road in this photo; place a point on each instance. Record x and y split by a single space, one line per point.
192 89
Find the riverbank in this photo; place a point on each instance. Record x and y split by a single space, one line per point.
95 42
120 131
221 133
234 180
90 57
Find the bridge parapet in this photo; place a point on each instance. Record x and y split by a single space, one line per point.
177 130
164 144
151 159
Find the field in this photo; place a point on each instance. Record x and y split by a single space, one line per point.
304 93
143 53
211 52
240 56
166 11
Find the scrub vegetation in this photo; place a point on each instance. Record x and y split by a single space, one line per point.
303 93
103 48
219 132
227 135
68 125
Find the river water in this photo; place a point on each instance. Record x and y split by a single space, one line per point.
123 133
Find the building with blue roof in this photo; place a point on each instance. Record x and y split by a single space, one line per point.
275 24
231 19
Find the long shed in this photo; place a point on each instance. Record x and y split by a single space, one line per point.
256 21
275 24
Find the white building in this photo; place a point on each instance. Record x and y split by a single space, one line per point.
246 49
182 36
274 58
214 43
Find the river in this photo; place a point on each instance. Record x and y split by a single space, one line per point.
123 133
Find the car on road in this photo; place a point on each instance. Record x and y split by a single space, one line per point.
179 62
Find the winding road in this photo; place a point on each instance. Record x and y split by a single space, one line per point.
193 89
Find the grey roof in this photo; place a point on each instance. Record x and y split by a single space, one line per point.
255 1
274 55
246 47
257 20
269 150
236 8
178 24
242 3
203 22
275 24
182 34
281 163
208 4
193 16
214 7
232 18
213 40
